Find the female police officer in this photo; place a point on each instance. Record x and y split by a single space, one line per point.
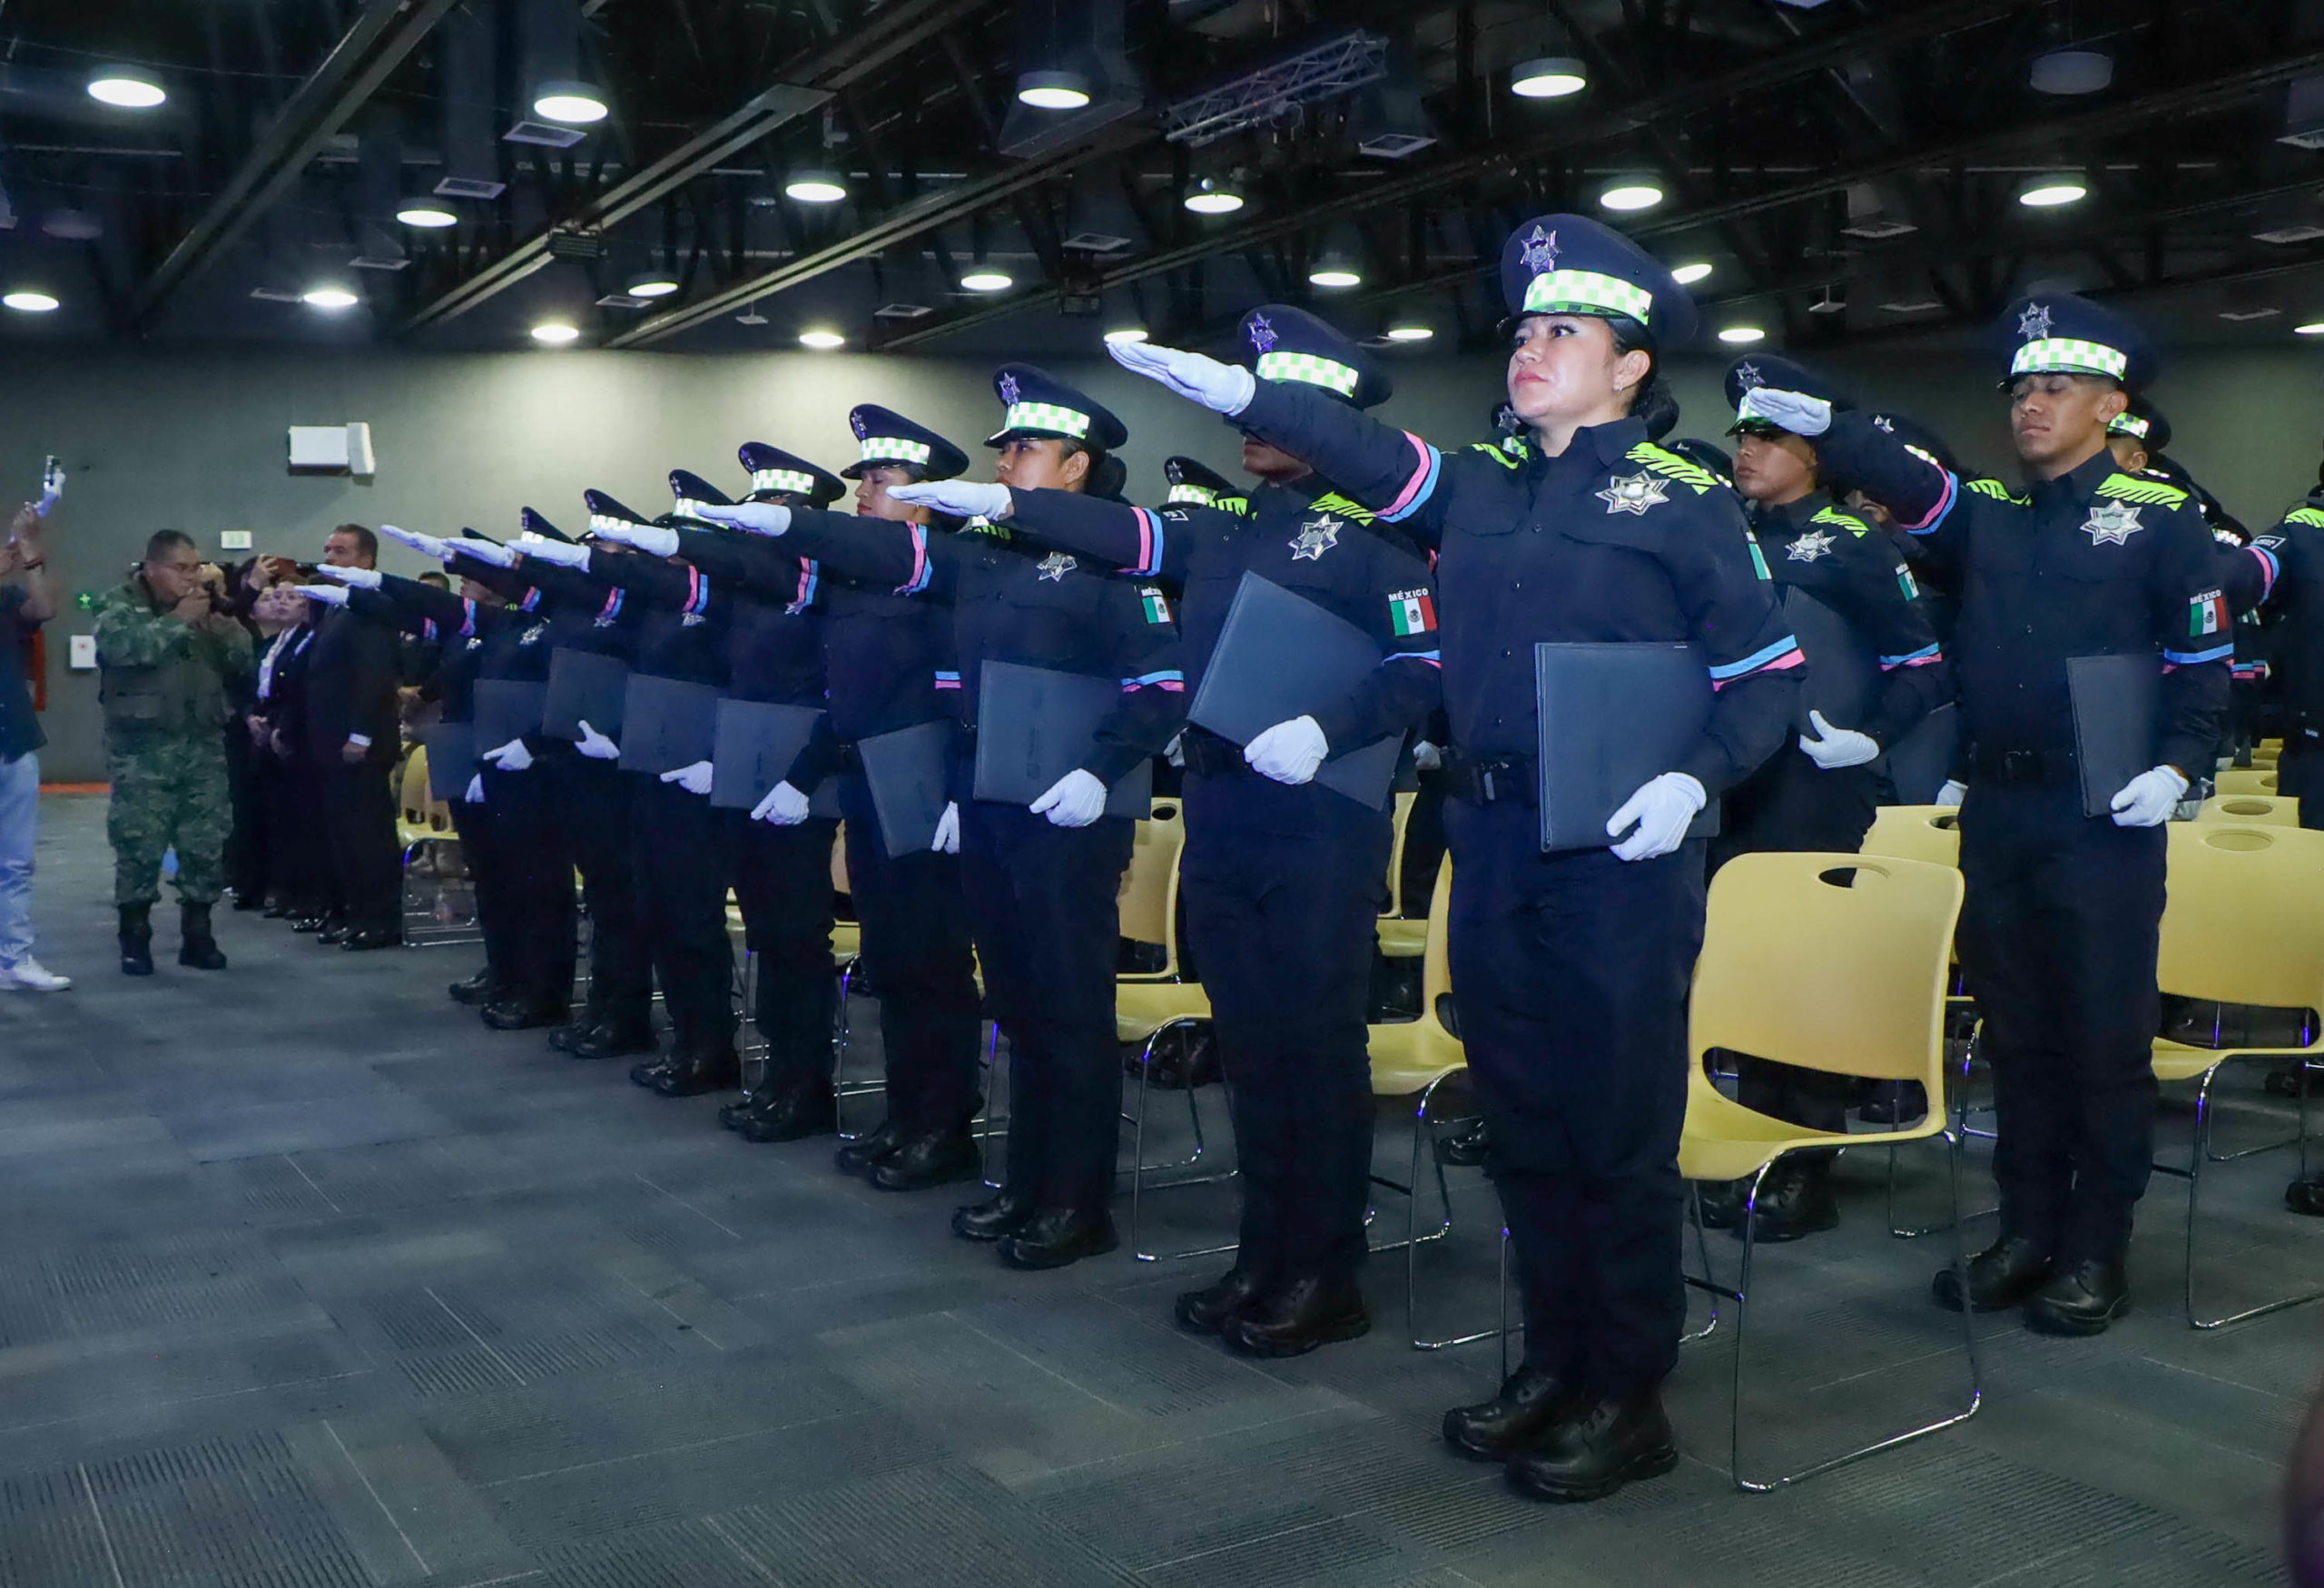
1570 967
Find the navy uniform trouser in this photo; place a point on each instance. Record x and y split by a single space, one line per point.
783 881
914 921
531 862
594 797
2059 933
1283 890
679 860
2299 772
478 827
1571 975
1042 905
1794 806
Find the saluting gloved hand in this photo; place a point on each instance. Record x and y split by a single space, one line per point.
1796 411
475 794
1288 751
1662 808
2148 799
784 807
963 498
491 551
647 537
425 544
361 578
595 745
1074 800
328 595
1952 794
1837 747
511 756
694 778
564 553
758 517
948 829
1221 388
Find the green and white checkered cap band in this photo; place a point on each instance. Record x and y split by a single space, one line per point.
1310 369
1201 496
2067 355
783 479
895 450
2129 424
601 522
1590 291
1046 416
686 507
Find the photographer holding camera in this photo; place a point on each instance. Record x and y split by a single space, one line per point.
168 658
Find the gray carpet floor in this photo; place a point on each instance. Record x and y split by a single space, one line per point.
306 1279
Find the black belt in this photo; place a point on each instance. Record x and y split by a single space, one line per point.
1492 781
1209 756
2034 766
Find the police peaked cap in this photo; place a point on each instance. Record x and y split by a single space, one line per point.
883 436
776 473
2058 333
530 521
1282 343
1780 374
1036 403
1703 454
1570 264
1920 439
605 507
1190 482
2144 422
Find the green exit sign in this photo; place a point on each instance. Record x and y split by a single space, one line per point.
86 601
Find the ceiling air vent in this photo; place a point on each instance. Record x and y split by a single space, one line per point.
547 135
902 311
469 187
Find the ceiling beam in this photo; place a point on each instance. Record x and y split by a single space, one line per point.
384 33
804 86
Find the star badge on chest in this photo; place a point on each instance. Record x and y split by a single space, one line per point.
1318 535
1634 493
2111 523
532 633
1056 565
1816 543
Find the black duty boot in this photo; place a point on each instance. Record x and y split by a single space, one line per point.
2005 1274
334 931
648 1073
1722 1203
2079 1297
1204 1311
1465 1148
196 947
692 1075
935 1158
2306 1196
1054 1236
997 1216
1597 1449
560 1040
612 1039
136 940
858 1156
479 989
309 923
1894 1103
368 939
1795 1200
1530 1403
1294 1318
517 1014
793 1110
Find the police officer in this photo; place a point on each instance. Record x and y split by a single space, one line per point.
2138 436
1571 968
1041 879
1194 483
884 652
1285 880
1820 793
2058 934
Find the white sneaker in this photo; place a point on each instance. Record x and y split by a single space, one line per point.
29 975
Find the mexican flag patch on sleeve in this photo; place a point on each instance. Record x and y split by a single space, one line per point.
1157 610
1412 611
2207 614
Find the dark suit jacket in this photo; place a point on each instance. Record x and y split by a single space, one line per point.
352 670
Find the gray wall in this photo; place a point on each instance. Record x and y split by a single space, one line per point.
196 441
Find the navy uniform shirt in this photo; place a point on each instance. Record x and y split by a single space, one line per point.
2289 586
1817 546
2095 562
1015 603
773 649
1614 540
681 625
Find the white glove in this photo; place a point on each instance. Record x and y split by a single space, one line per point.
962 498
2146 801
425 544
1837 747
1426 756
475 794
1288 751
361 578
694 778
511 756
498 556
948 831
595 745
1791 411
784 807
1074 800
1950 795
1662 808
647 537
564 553
758 517
1225 389
328 595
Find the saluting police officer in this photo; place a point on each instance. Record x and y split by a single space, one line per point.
1570 969
2058 934
1041 879
1194 483
1285 880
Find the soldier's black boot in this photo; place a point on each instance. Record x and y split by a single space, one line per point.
136 940
196 946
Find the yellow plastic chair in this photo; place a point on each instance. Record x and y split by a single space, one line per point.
2245 810
2247 780
1868 1003
1929 832
412 827
2242 925
1400 939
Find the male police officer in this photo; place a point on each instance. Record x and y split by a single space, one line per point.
2059 932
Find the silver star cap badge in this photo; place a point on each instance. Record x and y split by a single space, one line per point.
2033 323
1748 376
1262 334
1634 493
1318 535
1009 390
1816 543
1541 252
2111 523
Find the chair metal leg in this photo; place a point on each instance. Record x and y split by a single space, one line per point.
2200 1154
1138 1166
1702 1250
988 1125
1414 1239
1960 1110
754 1051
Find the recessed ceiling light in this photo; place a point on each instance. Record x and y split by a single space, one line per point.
1126 333
1687 275
333 298
816 187
1550 77
822 340
126 88
987 278
2048 193
1053 90
428 217
555 333
1738 334
1410 333
576 105
2313 328
1630 193
1334 276
1214 195
25 301
653 286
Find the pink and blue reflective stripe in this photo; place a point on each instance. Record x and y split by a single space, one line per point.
1921 657
1420 485
612 608
697 592
1433 658
2273 568
919 565
1149 544
1168 679
468 618
531 600
1935 515
2197 658
947 680
810 578
1783 653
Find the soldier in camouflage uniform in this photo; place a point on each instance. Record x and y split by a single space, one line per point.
168 659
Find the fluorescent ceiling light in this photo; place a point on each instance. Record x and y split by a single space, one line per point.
426 216
1630 193
822 340
1738 334
126 88
1687 275
1334 275
987 279
334 298
555 333
1214 195
576 105
2313 328
1126 333
2047 193
1053 90
1550 77
25 301
653 286
816 187
1410 333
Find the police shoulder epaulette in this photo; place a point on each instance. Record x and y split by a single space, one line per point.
1332 502
1509 452
2313 516
1672 467
2129 488
1999 492
1240 506
1847 521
